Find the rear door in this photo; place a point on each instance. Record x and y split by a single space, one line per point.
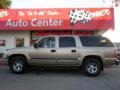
67 52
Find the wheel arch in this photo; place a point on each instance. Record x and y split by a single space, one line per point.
15 55
93 56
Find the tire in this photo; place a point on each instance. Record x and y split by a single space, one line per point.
18 65
92 67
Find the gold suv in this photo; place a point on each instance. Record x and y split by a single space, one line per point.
92 53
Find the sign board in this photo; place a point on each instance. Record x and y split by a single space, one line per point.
57 19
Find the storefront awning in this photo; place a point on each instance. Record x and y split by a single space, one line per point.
57 19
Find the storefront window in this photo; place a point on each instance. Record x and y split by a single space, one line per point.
2 42
19 42
35 35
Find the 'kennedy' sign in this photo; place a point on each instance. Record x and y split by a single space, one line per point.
52 19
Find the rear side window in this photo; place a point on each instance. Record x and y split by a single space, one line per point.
67 42
95 41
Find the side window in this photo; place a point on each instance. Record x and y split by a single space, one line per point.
67 42
105 42
48 42
89 41
95 41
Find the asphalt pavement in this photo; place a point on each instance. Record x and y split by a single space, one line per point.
59 79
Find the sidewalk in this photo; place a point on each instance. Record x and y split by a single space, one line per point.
1 62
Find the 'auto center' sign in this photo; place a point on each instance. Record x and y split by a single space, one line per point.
59 18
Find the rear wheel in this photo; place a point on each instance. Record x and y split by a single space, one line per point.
92 67
18 64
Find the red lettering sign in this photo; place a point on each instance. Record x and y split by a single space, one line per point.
52 19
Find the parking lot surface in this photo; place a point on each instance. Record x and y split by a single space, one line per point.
59 79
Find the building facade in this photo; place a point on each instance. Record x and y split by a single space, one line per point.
22 27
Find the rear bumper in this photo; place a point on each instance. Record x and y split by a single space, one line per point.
110 62
117 62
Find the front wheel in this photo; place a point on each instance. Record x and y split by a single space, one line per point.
92 67
18 64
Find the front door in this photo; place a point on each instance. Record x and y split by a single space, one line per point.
45 53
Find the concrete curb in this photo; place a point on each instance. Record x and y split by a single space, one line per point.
2 63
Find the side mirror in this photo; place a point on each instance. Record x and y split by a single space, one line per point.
35 45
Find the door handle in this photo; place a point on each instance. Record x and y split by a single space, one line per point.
53 50
73 51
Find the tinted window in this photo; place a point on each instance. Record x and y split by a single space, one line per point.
48 42
95 41
67 42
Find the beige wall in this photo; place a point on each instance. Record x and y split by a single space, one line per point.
10 37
